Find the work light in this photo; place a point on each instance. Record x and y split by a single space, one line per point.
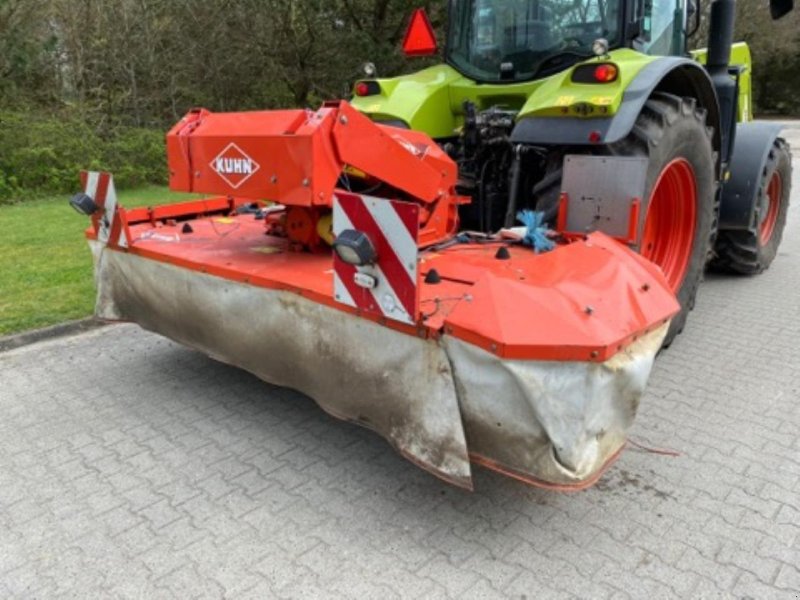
600 47
355 248
83 204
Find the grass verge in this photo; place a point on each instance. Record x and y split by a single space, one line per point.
45 263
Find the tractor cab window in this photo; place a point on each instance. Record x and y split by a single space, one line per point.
663 27
518 40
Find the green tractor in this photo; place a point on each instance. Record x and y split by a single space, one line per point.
595 114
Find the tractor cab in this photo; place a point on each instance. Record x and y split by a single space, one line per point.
520 40
515 40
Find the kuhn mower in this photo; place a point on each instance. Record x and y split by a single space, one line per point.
478 261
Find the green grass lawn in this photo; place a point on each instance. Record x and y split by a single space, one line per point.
45 263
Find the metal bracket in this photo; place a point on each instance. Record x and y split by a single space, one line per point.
603 193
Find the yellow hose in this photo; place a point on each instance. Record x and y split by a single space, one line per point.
325 228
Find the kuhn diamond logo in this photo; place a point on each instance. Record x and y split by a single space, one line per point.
234 166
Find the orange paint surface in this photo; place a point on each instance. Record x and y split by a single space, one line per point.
583 301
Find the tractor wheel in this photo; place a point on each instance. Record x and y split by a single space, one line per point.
681 218
753 251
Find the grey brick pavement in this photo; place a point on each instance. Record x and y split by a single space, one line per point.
131 467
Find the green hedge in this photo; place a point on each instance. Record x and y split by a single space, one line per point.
44 153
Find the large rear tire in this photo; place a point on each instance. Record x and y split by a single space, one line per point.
681 185
752 251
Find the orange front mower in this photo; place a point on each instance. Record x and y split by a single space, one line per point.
328 258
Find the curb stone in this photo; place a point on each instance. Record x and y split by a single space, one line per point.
69 328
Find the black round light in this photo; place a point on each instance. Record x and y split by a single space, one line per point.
355 248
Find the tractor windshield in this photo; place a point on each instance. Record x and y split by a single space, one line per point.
517 40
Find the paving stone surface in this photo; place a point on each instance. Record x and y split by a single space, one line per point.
131 467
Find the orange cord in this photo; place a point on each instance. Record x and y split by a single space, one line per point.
660 451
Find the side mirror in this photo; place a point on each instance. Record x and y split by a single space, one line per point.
778 8
694 14
646 32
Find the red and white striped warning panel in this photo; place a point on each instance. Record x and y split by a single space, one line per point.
107 223
389 288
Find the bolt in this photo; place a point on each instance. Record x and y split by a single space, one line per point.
273 179
595 354
306 182
589 310
646 287
343 120
494 347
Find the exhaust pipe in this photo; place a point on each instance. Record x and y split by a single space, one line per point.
720 39
720 36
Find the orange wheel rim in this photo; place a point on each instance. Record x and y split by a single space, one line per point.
774 198
669 228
